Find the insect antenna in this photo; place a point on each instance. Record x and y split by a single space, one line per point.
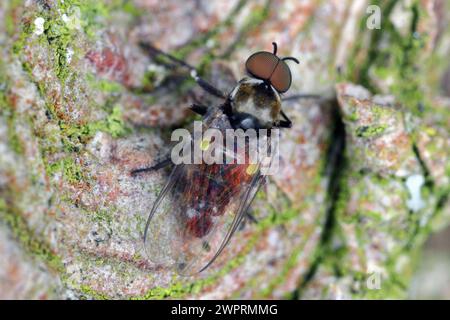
291 58
275 48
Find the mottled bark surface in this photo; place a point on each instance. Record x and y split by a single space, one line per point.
365 170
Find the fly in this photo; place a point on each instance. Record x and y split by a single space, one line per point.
201 205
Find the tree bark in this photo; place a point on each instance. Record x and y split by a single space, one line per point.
365 170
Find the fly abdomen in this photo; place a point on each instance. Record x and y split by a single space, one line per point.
199 225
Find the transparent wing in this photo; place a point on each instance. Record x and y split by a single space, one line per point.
197 212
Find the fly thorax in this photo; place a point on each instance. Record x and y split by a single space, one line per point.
254 104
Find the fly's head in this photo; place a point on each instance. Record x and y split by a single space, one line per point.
255 101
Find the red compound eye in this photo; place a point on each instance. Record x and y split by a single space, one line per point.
267 66
281 77
262 64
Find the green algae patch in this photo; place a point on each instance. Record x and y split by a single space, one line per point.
7 111
370 131
73 135
113 124
72 172
103 85
28 239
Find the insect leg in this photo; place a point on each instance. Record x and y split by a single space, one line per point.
251 218
199 109
205 85
286 123
159 165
